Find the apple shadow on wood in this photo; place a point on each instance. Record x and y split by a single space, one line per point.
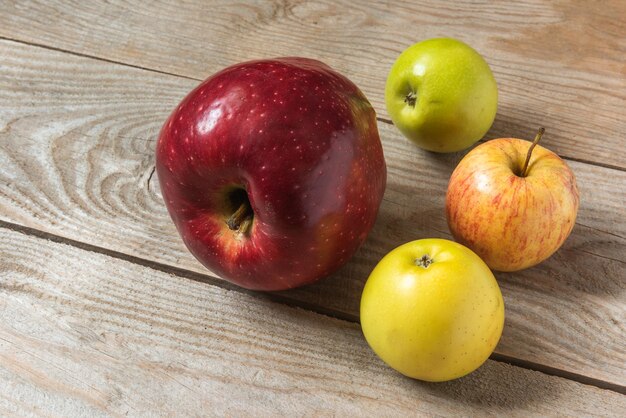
412 208
498 385
504 126
597 274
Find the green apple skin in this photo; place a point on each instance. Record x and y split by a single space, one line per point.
454 92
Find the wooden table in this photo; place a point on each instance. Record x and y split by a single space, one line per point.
104 312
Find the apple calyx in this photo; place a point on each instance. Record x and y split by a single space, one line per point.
524 171
424 261
241 219
411 99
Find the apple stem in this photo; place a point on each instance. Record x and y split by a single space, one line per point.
530 151
245 225
241 219
410 99
424 261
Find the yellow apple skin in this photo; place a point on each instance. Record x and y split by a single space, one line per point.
455 95
511 222
433 323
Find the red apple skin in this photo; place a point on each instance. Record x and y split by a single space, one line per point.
511 222
302 141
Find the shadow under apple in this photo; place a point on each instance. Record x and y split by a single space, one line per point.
499 386
408 212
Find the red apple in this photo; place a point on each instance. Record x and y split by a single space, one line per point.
512 202
272 171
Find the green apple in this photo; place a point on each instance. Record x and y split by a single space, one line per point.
442 95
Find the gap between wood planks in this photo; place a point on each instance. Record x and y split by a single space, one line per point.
277 298
380 119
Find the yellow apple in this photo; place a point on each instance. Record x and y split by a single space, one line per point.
432 310
512 213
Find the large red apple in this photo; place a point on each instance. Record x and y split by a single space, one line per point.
512 204
272 171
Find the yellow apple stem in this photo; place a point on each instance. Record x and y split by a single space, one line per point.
424 261
241 220
530 150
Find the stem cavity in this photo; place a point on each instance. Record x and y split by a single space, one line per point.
411 99
524 171
241 219
424 261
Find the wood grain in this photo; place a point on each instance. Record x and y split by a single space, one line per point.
558 64
85 334
76 156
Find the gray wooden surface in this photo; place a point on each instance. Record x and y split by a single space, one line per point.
84 89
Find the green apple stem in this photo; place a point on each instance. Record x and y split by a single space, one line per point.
410 99
530 151
241 219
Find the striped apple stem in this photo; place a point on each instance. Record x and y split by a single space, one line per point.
530 150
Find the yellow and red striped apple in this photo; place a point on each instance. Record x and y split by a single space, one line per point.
512 202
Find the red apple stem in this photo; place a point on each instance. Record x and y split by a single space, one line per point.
245 225
530 150
241 219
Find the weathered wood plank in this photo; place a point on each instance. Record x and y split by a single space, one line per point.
85 334
558 64
76 153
